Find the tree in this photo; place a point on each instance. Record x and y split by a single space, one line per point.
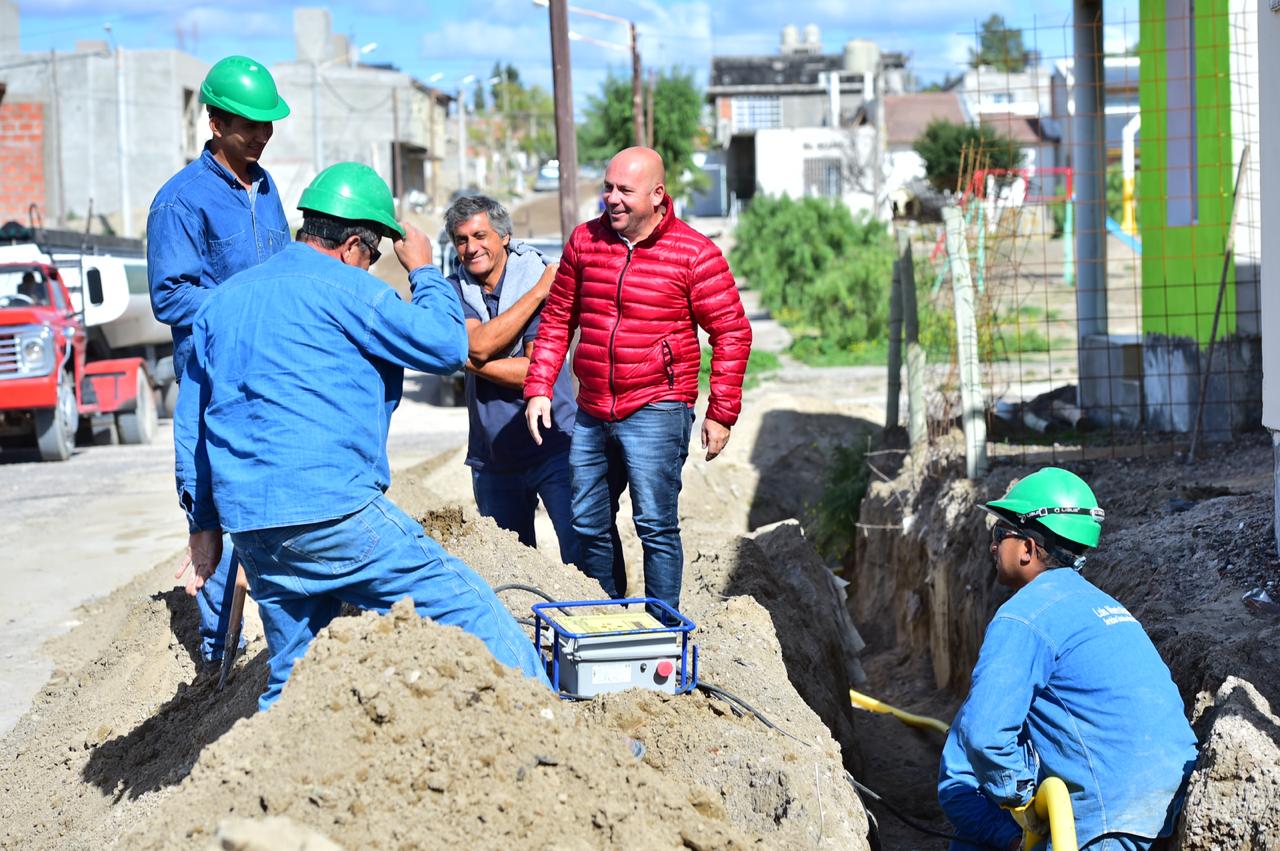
677 111
943 143
947 83
999 46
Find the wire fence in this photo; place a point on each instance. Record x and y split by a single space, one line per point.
1114 271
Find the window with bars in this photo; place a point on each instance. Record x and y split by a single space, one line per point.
756 112
822 178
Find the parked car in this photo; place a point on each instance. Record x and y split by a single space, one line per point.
548 179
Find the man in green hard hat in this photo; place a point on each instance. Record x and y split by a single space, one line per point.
281 432
218 216
1067 685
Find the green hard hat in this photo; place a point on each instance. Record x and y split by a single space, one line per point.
1056 499
354 192
243 87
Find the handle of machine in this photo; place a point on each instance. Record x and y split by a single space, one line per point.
1052 803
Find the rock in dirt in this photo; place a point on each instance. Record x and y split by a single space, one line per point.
1233 798
273 833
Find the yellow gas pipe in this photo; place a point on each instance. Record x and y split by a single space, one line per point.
864 701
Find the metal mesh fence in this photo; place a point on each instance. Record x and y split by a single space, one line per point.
1115 268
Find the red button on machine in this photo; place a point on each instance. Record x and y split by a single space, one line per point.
665 668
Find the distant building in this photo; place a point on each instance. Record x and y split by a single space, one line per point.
60 121
793 121
64 117
343 109
988 90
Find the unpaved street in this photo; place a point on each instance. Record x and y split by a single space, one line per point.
79 530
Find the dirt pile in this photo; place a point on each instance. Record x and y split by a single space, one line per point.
397 733
122 719
1180 547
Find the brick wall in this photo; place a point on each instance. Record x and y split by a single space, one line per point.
22 177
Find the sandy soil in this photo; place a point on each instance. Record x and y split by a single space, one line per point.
126 746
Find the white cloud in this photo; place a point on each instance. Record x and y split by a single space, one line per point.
209 21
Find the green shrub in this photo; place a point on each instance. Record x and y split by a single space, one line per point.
759 363
837 508
818 270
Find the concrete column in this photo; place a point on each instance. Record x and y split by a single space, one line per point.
1089 160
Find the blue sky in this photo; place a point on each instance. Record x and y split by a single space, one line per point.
460 37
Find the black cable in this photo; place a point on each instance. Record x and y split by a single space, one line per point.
517 586
898 814
730 697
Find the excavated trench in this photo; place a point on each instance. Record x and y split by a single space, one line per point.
1181 546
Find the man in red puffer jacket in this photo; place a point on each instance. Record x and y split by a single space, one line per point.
638 283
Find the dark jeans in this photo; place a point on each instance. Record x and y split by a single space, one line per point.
511 499
644 452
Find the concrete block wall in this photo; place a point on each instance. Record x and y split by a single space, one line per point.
22 174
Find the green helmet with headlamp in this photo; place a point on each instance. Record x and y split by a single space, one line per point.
1056 501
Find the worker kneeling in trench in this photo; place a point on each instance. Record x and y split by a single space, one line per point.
1067 685
281 430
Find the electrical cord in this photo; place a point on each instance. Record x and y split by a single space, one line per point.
734 700
518 586
898 814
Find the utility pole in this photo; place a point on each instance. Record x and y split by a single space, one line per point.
637 109
122 146
396 190
648 115
57 138
317 150
566 134
462 140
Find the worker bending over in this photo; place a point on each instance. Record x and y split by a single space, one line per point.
1067 685
296 367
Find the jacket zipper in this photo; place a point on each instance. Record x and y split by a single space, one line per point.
669 364
617 320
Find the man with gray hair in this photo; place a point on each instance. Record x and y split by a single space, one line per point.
502 284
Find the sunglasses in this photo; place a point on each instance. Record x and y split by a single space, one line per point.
374 253
999 533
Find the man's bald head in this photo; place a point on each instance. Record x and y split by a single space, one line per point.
634 191
643 163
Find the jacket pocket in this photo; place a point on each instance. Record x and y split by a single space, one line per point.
669 364
223 254
276 240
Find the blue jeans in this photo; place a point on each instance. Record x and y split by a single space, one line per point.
301 575
511 499
214 601
644 452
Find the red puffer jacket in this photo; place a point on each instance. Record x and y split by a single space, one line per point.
639 311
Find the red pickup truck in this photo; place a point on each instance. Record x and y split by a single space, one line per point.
48 385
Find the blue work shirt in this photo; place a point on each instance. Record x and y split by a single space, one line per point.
498 438
296 367
204 227
1066 668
